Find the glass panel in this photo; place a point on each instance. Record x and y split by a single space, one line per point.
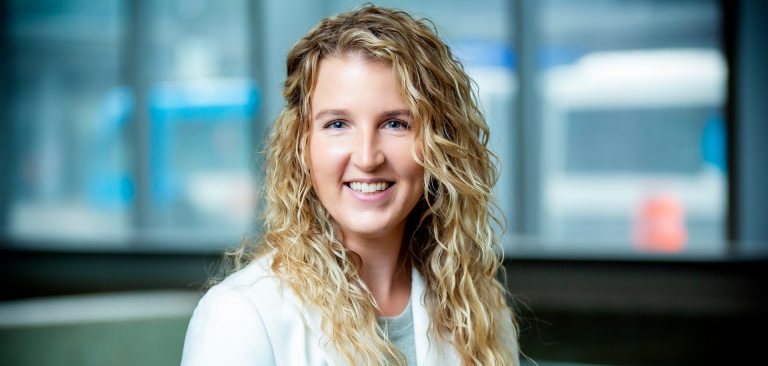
67 113
201 103
632 126
76 154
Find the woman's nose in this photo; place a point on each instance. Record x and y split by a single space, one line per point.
367 155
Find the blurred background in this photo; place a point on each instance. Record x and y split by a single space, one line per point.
631 136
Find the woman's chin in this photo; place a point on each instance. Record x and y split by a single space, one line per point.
370 230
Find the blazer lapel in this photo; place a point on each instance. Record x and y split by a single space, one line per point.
312 321
429 350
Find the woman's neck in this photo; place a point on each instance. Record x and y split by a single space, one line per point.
384 270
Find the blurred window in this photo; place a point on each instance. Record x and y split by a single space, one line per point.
201 101
66 109
632 148
86 77
136 122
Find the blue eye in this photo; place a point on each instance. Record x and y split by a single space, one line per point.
335 124
396 124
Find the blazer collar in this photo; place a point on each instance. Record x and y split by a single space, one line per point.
430 350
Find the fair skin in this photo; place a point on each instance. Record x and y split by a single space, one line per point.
362 168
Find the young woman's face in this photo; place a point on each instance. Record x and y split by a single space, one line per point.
360 147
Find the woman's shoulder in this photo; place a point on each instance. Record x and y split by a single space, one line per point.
232 321
256 282
258 270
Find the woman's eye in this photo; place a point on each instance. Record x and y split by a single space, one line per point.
393 123
335 124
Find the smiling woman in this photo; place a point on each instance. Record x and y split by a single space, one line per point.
378 244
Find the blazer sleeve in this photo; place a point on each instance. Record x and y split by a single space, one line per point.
226 329
509 333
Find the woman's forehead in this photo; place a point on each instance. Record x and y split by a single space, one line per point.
337 62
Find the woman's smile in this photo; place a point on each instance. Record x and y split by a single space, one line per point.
370 192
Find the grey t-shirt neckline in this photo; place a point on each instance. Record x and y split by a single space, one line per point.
399 330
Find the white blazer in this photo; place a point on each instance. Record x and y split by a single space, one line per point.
251 319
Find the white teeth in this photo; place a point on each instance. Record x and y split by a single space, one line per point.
368 187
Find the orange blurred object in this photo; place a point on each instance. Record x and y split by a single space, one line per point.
659 224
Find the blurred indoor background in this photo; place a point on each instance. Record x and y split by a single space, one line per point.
632 137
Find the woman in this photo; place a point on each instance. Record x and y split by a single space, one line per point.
378 245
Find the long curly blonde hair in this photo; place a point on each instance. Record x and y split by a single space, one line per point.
450 237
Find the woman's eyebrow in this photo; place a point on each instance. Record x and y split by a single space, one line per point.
398 113
402 113
331 113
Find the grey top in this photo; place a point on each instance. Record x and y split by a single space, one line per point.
399 330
